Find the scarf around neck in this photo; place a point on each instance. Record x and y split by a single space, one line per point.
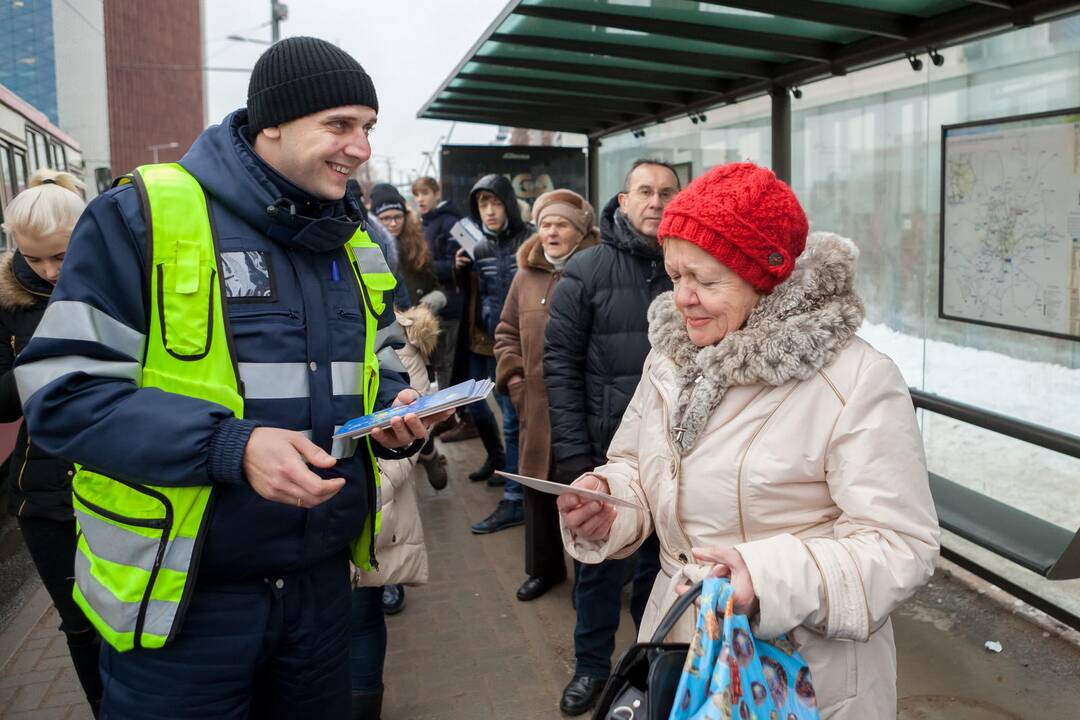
791 334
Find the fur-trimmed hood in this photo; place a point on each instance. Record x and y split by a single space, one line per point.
792 333
421 329
17 293
531 252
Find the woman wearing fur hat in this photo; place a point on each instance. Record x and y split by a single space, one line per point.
770 444
566 225
40 220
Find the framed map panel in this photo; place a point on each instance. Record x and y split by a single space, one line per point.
1010 223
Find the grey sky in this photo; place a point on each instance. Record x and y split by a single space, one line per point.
407 46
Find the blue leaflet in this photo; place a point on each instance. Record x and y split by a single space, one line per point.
464 393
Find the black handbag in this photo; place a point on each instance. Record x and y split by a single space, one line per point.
644 682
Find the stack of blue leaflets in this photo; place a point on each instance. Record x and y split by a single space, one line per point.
467 392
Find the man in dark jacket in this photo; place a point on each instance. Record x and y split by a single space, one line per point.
263 628
595 347
493 206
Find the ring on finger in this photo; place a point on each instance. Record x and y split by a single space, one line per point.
299 502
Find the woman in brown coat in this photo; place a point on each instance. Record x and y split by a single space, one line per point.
565 221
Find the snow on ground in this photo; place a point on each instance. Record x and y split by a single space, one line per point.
1038 481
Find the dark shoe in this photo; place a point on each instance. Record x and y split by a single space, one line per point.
534 587
581 694
495 461
435 467
464 430
496 481
508 514
393 599
366 705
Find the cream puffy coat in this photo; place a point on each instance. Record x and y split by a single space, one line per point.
399 545
799 448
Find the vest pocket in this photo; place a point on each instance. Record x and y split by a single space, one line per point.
185 295
122 557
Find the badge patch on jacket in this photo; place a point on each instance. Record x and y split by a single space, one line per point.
247 274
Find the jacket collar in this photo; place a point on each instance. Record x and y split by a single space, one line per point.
531 253
616 230
230 171
793 332
20 286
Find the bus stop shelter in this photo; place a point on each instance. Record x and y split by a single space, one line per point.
599 67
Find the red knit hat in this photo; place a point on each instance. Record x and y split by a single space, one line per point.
743 216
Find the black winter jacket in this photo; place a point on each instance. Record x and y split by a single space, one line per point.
597 340
437 224
39 485
496 254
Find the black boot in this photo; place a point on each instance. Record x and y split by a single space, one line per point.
496 458
366 705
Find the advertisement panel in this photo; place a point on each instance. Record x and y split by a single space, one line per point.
532 170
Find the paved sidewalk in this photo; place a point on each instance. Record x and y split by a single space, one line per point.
465 649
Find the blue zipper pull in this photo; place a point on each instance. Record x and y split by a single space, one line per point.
334 274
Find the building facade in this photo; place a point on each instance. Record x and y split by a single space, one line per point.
27 55
154 60
52 56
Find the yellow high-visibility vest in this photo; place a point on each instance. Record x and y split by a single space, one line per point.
138 543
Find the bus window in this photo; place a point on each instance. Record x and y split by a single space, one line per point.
37 148
21 175
60 157
7 179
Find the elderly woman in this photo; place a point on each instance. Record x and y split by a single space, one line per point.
769 443
566 225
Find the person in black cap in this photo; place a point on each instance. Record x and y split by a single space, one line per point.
250 617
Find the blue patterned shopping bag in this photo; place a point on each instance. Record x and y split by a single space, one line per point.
731 675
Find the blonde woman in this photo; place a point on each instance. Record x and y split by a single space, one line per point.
40 220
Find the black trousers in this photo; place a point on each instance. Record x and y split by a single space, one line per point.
269 649
599 602
543 541
52 547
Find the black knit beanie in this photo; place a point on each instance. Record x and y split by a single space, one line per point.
299 76
386 197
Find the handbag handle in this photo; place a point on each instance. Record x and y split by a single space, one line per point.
676 611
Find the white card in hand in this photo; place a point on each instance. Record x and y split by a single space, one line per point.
554 488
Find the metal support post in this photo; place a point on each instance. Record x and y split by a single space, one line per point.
278 11
594 172
781 133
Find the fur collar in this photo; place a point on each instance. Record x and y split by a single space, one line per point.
792 333
14 295
531 252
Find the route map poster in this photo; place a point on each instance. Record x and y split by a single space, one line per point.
1010 223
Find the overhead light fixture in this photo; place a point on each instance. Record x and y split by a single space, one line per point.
796 93
937 58
916 63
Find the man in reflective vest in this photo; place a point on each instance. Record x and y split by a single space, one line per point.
217 321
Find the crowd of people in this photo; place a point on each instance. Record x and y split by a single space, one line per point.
214 550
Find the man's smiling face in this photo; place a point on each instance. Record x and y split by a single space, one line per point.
321 151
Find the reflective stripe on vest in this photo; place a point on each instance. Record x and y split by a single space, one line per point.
138 545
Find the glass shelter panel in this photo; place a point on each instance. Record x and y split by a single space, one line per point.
866 163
